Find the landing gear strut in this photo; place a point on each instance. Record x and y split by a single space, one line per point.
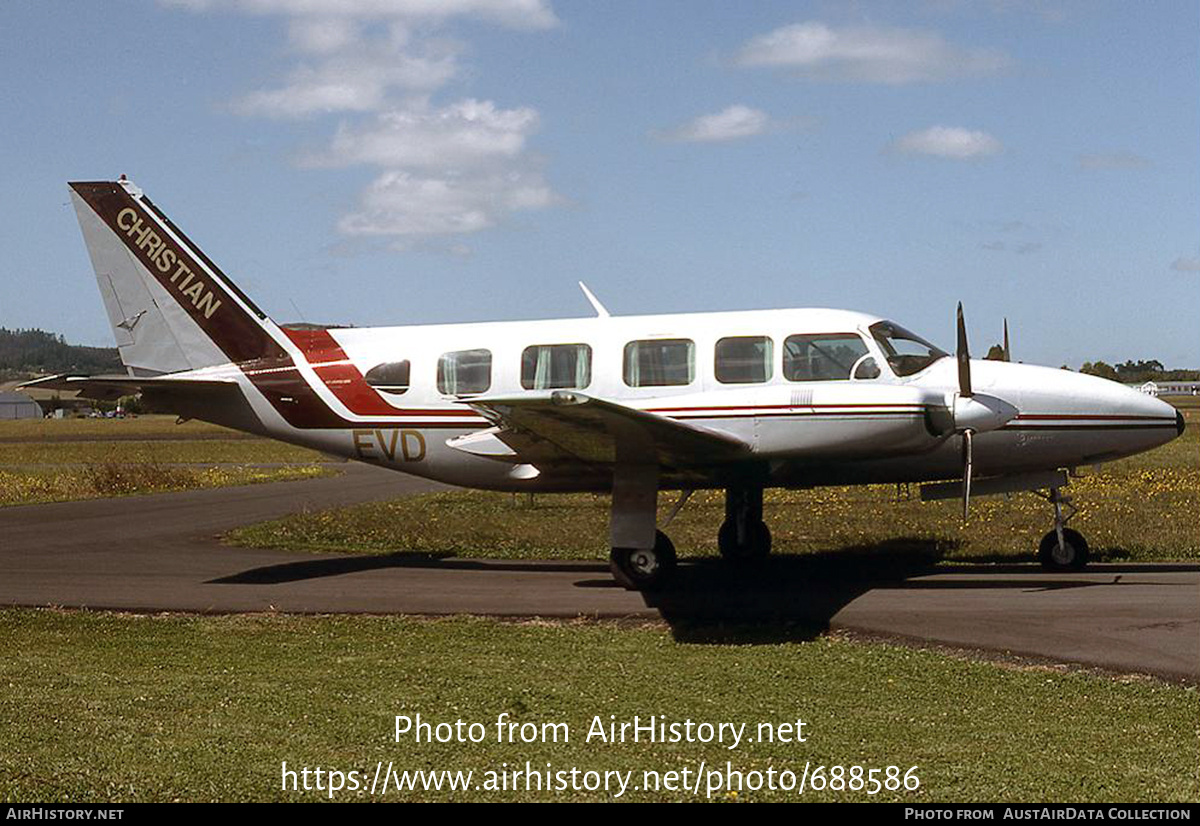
1062 549
744 536
643 569
642 557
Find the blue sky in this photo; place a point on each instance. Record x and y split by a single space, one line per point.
417 161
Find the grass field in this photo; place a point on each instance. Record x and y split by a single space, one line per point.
54 460
1142 508
146 427
112 707
123 708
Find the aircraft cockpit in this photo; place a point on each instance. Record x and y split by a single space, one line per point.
906 353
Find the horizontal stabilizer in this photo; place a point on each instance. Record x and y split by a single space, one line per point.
111 387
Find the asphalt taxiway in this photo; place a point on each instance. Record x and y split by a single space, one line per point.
161 553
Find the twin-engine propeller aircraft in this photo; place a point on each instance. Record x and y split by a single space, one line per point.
632 405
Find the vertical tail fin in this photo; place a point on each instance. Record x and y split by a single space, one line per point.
170 307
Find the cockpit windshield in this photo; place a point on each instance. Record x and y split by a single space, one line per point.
906 353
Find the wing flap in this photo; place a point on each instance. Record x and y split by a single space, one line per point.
572 426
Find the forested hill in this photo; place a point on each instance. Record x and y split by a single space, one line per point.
28 352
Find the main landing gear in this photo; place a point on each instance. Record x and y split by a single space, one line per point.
1062 549
743 537
643 569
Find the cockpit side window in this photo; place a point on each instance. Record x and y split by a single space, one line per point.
390 377
906 353
827 357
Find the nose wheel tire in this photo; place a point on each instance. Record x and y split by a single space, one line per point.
1071 555
642 569
756 544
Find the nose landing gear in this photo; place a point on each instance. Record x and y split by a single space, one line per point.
1062 549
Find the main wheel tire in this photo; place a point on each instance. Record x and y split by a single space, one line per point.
1071 556
637 569
757 545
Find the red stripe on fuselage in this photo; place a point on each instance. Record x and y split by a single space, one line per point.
331 364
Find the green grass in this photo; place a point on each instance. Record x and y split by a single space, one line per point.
146 427
28 487
123 708
1142 508
57 460
201 451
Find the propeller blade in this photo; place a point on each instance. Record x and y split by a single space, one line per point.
968 469
1007 352
964 357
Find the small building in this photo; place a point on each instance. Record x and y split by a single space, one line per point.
15 405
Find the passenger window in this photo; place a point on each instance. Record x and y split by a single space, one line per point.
553 366
464 372
744 360
827 357
391 377
660 362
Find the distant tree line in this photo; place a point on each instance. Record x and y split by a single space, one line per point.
1128 372
31 352
1137 372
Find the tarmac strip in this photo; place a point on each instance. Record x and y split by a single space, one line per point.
161 553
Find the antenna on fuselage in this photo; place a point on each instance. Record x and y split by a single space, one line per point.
601 312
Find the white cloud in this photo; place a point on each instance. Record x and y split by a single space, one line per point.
870 54
951 142
1186 265
356 73
440 169
323 35
729 124
464 134
1113 160
521 14
401 203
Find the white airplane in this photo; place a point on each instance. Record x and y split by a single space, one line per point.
632 405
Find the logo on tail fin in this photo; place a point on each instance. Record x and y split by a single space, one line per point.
131 322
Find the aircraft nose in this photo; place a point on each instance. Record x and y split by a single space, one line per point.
1130 402
1084 418
1148 405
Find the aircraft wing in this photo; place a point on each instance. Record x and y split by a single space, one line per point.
112 387
565 425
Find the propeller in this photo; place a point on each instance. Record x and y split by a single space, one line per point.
963 356
974 412
967 471
966 412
